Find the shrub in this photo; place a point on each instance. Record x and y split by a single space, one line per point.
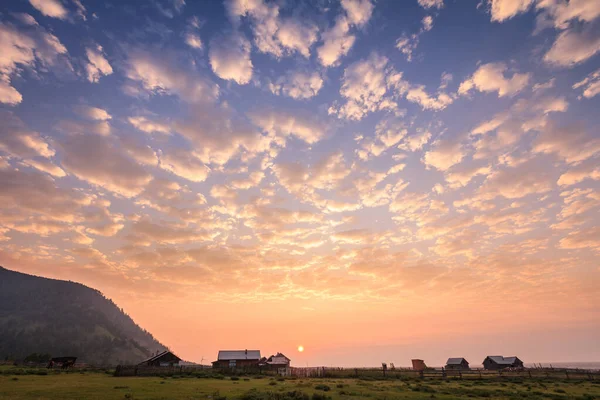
234 378
322 387
320 396
272 383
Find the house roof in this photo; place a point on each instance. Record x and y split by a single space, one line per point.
278 358
502 360
159 355
456 361
226 355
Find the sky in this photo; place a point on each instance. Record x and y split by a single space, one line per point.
374 180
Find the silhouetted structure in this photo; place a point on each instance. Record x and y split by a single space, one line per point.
457 364
62 362
418 365
237 359
500 362
164 359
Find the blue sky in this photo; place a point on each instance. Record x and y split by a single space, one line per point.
328 155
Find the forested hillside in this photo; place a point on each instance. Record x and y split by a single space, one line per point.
40 315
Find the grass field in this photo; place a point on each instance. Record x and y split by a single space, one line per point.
100 386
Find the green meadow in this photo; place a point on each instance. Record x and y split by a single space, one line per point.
18 384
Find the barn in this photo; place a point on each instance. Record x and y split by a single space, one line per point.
500 362
164 359
237 359
457 363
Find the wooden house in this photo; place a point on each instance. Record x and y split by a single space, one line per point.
278 360
457 363
163 359
237 359
500 362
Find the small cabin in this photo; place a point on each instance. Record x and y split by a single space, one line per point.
163 359
237 359
500 362
278 360
457 364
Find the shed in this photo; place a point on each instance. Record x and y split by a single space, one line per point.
457 363
237 358
163 359
500 362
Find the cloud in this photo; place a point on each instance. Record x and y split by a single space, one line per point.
591 85
337 41
570 142
101 162
149 126
194 41
530 177
573 47
589 169
587 238
26 47
298 85
98 65
185 164
93 113
17 140
415 141
431 3
50 8
460 175
444 153
492 78
363 86
218 134
8 94
33 192
161 73
502 10
273 34
230 58
283 124
408 44
46 166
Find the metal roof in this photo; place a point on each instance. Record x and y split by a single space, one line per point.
226 355
502 360
455 361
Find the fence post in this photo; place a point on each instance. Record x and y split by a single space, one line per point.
529 372
480 377
459 374
567 372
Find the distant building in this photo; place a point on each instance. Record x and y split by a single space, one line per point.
237 359
278 360
457 364
500 362
164 359
418 365
62 362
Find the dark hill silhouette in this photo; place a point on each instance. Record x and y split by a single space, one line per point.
49 316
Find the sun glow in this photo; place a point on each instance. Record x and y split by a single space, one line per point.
300 349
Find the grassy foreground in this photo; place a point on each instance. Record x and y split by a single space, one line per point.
100 386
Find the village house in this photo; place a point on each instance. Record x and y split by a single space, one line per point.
500 362
457 363
237 359
162 359
278 361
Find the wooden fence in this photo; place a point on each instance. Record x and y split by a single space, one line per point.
364 373
442 373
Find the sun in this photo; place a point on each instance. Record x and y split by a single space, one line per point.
300 348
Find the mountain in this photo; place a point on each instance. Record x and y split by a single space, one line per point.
49 316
